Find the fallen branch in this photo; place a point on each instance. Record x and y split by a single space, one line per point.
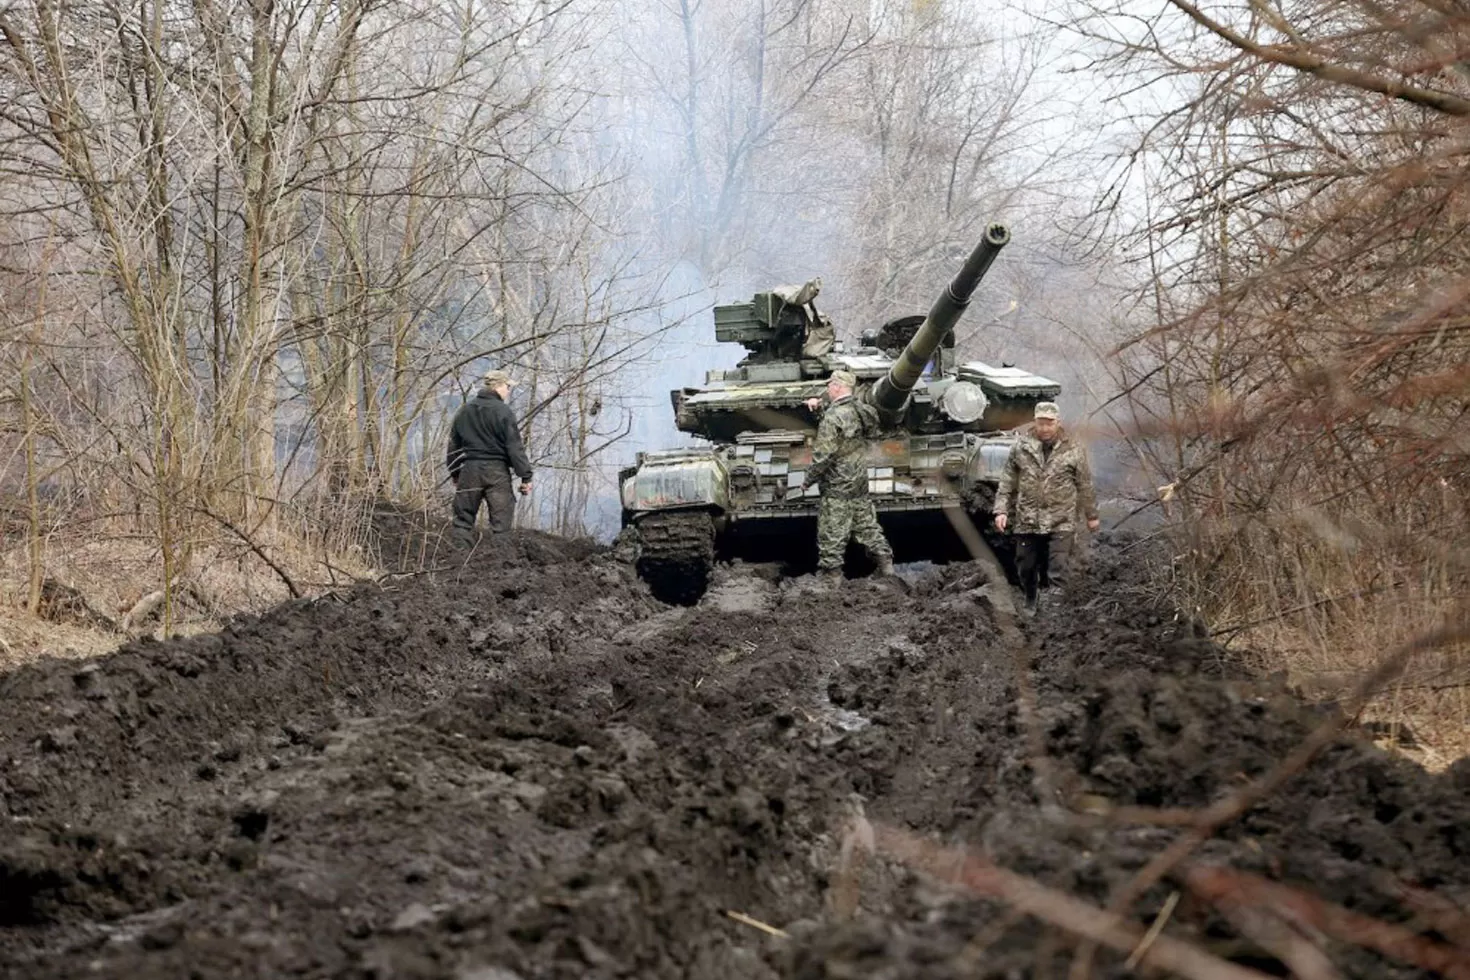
1228 887
1160 920
253 546
1056 908
1106 812
193 592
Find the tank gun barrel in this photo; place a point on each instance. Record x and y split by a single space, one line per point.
891 391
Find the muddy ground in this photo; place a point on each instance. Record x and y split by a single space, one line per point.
528 767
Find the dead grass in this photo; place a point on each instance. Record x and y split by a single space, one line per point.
1323 603
25 638
114 573
1424 714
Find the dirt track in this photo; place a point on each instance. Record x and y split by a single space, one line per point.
530 768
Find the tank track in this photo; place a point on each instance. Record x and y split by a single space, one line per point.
677 553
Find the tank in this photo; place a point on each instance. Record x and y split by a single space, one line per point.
932 474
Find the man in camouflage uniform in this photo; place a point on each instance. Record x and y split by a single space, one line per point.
1047 481
840 465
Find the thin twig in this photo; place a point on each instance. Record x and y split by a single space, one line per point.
1057 908
1160 921
250 543
1224 886
1045 783
769 930
1432 909
415 573
1224 632
1303 958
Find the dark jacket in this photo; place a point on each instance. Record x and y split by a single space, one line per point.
840 453
485 429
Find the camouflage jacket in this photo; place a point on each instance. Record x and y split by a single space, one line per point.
840 454
1041 493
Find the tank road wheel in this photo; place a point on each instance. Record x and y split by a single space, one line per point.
677 553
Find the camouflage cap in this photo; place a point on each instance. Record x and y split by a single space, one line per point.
844 378
1048 410
495 378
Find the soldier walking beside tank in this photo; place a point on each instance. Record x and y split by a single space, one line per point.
1046 482
840 465
484 447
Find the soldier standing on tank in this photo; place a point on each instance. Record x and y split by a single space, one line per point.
484 447
1046 482
840 465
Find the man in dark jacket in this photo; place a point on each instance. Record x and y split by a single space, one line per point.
840 466
484 447
1046 482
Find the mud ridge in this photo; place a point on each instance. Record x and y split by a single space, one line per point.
526 766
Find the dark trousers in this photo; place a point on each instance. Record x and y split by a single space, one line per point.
488 481
1042 561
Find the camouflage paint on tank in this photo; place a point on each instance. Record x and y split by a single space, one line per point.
765 471
944 425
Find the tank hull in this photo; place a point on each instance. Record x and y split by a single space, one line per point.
932 472
692 508
925 534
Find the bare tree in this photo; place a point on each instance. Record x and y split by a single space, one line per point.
312 224
739 91
1299 375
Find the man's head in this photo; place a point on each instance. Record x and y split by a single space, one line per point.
1048 421
841 384
500 383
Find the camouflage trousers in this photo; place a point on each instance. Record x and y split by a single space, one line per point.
840 520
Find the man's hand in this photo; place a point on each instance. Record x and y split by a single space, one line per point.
525 487
1000 522
1093 524
814 403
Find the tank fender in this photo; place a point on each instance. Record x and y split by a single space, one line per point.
689 482
989 462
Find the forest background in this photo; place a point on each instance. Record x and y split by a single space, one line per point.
253 253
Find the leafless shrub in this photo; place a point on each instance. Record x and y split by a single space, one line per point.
1299 386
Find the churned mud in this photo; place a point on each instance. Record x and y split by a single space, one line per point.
527 767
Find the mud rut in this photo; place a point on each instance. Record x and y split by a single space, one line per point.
528 767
